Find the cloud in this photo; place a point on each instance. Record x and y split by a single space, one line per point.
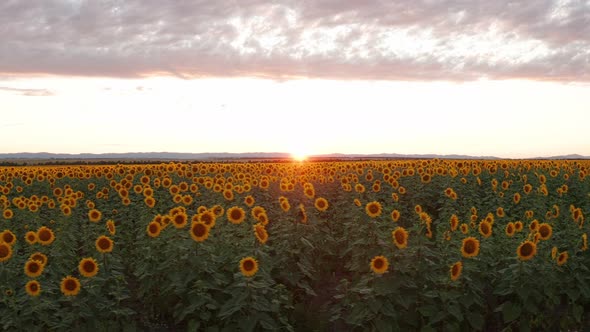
345 39
29 92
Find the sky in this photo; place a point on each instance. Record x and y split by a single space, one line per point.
484 78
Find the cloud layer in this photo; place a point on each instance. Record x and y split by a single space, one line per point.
336 39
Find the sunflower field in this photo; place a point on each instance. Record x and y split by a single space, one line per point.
385 245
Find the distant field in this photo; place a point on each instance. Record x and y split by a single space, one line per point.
256 244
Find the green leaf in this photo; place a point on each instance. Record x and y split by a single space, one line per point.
510 311
455 311
307 243
475 319
578 311
383 326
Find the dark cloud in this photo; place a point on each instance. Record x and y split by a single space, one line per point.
341 39
29 92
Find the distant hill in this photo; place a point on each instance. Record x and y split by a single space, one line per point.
249 155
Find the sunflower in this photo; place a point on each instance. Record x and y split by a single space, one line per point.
88 267
454 222
562 258
373 209
199 231
249 200
500 212
485 229
70 286
263 218
228 195
395 214
302 214
309 192
321 204
545 231
518 226
7 214
207 217
400 237
31 237
285 206
104 244
5 252
418 208
149 201
470 247
260 233
33 268
584 242
456 270
153 229
359 188
379 264
8 236
218 210
464 228
179 220
534 225
33 288
248 266
256 211
236 215
516 198
510 229
553 252
45 235
527 188
94 215
39 257
110 225
526 250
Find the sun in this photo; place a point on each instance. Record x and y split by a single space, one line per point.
298 151
299 155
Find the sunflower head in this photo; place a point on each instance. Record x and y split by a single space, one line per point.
5 251
562 258
456 270
248 266
33 288
33 268
545 231
470 247
526 250
454 222
104 244
379 264
110 225
510 229
45 235
321 204
153 229
373 209
260 233
199 231
70 286
8 236
88 267
94 215
40 257
485 229
236 215
400 237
